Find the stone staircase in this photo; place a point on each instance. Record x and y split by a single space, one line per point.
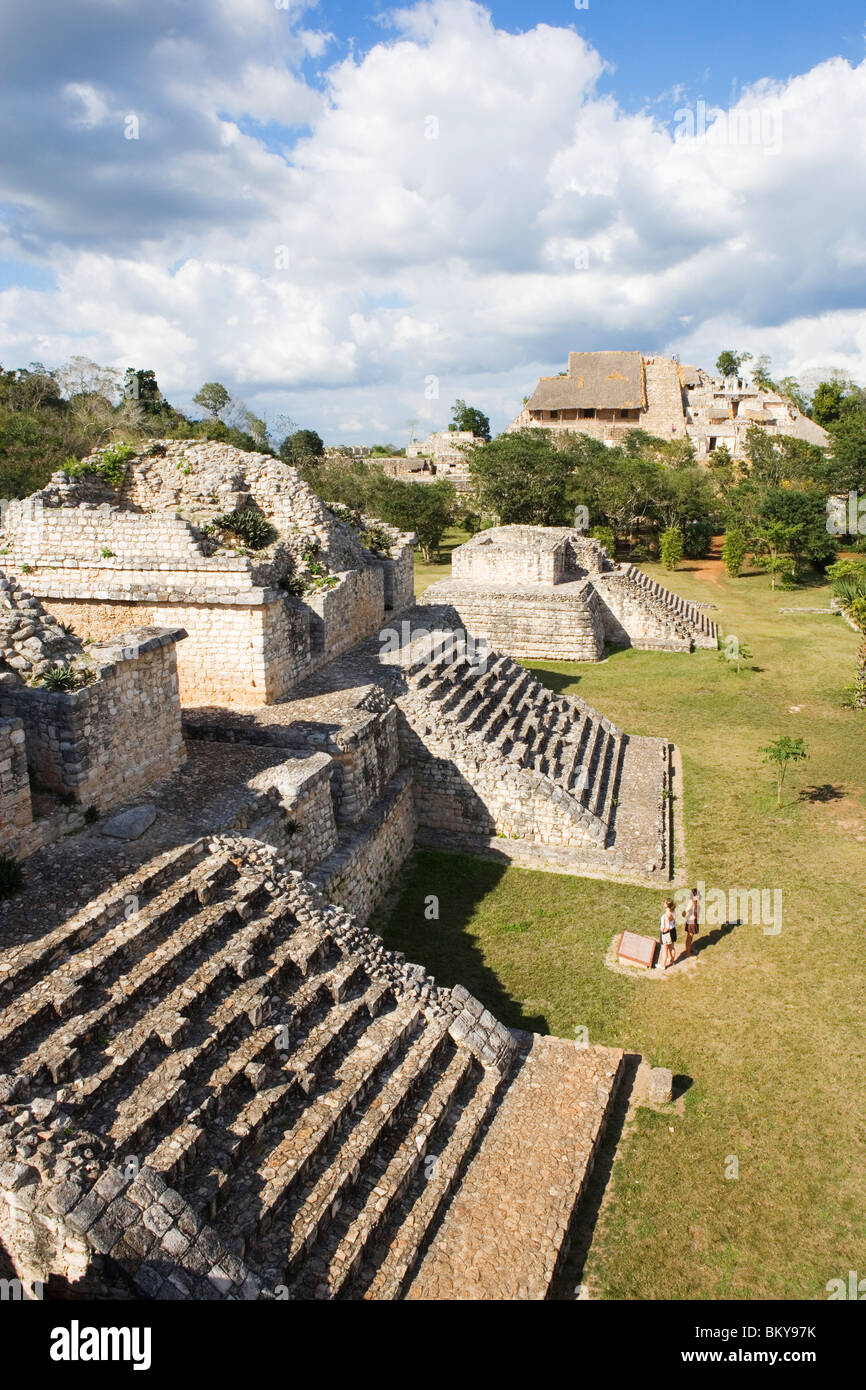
303 1097
687 618
501 709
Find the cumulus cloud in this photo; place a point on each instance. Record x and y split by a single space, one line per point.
451 211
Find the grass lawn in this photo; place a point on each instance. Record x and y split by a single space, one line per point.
426 574
769 1029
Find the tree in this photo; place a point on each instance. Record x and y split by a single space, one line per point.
779 755
213 399
761 373
734 549
521 477
827 401
466 417
729 363
302 448
142 386
425 508
774 540
671 547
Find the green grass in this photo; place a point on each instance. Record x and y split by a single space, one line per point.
427 574
770 1028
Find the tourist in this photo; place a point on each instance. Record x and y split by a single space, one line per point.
667 934
691 914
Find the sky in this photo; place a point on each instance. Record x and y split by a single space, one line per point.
353 214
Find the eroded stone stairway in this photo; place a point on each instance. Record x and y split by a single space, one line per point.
504 712
215 1084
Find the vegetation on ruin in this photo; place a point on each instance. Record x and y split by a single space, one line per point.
765 1036
65 677
247 525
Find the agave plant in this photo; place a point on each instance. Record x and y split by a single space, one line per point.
850 589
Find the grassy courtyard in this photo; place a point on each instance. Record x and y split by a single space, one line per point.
769 1028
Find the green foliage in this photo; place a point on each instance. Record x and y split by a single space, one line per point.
65 678
522 477
827 401
697 536
425 508
729 363
109 465
11 876
734 551
302 448
467 417
213 397
248 525
671 547
376 538
604 535
779 754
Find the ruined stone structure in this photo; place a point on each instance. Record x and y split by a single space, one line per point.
606 394
102 559
447 450
215 1080
550 592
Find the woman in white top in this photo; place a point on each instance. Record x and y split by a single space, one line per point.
667 934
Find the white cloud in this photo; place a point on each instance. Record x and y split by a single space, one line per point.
460 202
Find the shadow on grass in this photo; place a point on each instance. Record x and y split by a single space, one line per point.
444 946
705 939
825 792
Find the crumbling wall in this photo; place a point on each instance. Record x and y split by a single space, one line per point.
107 741
16 810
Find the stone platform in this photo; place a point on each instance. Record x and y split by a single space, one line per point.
506 1229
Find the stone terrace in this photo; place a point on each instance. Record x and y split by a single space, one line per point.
500 765
235 1090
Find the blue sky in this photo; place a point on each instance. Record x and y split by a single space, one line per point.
354 214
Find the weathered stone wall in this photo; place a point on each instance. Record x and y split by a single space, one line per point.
109 740
558 624
345 615
398 573
365 864
367 757
237 654
511 555
16 811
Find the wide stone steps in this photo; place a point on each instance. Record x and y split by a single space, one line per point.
34 960
400 1244
259 1198
329 1191
365 1213
505 710
150 936
688 613
333 1033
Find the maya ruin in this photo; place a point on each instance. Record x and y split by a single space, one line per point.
217 1082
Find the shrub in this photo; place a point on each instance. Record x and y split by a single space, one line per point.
604 535
249 525
376 538
110 465
11 876
696 540
65 678
734 551
671 547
